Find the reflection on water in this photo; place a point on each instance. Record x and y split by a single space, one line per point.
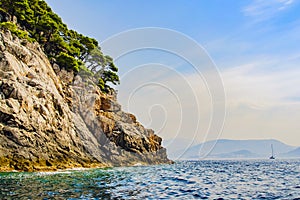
183 180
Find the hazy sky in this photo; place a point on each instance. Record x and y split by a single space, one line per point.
255 46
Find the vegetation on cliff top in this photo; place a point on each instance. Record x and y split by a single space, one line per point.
67 48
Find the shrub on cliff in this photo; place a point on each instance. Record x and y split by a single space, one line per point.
67 61
16 31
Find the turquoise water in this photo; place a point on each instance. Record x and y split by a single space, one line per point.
252 179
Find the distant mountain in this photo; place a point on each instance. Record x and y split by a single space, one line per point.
293 154
224 148
237 154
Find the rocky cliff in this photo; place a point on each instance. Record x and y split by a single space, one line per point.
51 119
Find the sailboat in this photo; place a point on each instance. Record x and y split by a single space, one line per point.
272 156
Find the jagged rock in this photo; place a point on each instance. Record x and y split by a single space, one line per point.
52 120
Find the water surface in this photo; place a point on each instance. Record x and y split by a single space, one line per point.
248 179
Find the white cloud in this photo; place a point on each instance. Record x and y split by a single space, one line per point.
265 9
256 86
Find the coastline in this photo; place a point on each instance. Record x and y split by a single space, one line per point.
75 168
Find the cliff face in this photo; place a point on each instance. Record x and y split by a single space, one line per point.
51 119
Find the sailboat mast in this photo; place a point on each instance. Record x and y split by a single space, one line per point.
272 150
272 156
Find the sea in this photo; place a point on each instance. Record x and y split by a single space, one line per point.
205 179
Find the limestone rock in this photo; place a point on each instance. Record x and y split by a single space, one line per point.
51 119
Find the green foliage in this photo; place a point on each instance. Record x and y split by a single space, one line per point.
69 49
67 61
15 30
85 71
103 68
110 76
101 85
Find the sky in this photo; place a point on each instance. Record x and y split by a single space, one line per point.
205 69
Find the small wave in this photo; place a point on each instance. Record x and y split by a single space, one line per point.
52 173
137 165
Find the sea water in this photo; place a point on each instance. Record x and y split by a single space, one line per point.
207 179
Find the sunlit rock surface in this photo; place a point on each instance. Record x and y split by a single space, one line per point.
51 119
